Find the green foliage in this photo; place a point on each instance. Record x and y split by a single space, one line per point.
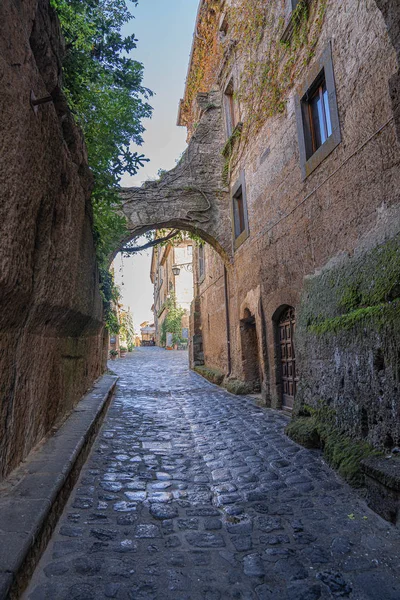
319 430
111 295
212 375
172 322
238 387
126 329
104 89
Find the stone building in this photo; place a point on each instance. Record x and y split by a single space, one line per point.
171 275
306 308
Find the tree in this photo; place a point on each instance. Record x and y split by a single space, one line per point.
172 322
103 85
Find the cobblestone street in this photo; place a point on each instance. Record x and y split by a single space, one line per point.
193 493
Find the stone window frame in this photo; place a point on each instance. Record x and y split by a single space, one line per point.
231 109
323 64
239 185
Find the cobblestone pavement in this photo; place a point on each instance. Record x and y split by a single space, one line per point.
192 493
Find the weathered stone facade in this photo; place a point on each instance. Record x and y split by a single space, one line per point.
51 331
310 243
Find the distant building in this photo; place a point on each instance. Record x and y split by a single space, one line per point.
172 277
147 333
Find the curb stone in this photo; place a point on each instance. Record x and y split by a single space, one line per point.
33 497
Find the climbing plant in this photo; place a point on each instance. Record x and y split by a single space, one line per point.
206 56
103 86
173 321
267 63
126 329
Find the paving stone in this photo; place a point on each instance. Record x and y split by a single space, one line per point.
245 514
253 565
205 540
163 511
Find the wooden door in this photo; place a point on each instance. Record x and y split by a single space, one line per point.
289 377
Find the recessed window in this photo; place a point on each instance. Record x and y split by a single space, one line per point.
239 212
202 265
190 250
230 109
317 115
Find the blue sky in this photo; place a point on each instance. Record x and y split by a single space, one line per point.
165 31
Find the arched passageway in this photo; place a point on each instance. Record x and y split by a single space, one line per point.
191 196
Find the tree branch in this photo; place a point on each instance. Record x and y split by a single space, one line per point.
156 242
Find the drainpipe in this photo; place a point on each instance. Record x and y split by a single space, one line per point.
228 328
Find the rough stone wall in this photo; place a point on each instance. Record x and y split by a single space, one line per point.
51 334
211 305
348 206
191 196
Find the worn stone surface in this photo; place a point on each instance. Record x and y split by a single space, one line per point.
50 307
191 196
346 208
276 540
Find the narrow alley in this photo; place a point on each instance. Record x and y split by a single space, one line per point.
193 493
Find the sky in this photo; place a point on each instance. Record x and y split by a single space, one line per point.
164 30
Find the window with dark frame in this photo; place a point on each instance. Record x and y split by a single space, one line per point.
317 115
229 104
238 212
202 269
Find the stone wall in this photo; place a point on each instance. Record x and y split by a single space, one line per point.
330 223
51 332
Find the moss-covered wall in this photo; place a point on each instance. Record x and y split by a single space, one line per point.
348 343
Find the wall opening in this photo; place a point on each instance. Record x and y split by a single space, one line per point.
287 375
250 356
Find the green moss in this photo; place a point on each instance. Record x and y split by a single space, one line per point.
360 287
319 430
212 375
304 431
380 314
238 387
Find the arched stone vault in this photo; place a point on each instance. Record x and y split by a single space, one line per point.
191 196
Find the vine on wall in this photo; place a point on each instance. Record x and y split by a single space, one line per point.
206 57
267 66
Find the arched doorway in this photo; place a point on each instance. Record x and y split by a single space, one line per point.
250 356
287 372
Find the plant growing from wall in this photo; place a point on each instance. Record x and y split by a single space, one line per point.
268 67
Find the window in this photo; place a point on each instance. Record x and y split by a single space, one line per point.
202 265
317 115
190 250
229 104
239 212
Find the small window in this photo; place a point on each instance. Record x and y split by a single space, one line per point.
202 266
317 114
190 250
230 113
239 212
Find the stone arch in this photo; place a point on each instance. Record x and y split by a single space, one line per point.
191 196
